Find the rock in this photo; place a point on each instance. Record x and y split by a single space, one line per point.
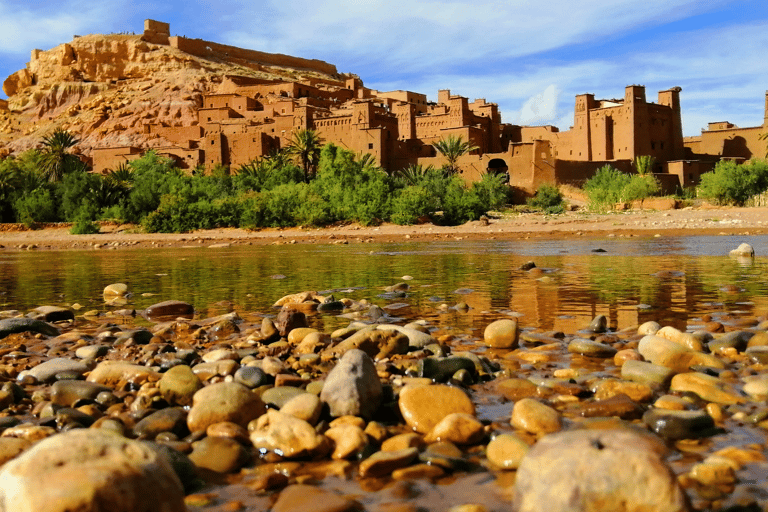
506 451
251 377
423 407
46 371
679 358
286 435
312 343
305 406
707 387
649 327
269 332
535 417
115 290
516 388
646 373
17 325
179 384
591 348
403 441
734 339
597 470
757 387
280 395
229 430
307 497
170 419
683 338
442 369
598 325
457 428
67 392
619 405
416 339
11 447
219 454
92 351
111 373
384 463
608 388
289 319
353 386
224 401
502 334
374 342
675 425
90 471
743 251
348 441
52 314
168 310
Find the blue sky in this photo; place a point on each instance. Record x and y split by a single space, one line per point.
529 56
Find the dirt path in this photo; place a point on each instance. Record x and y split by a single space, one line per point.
689 221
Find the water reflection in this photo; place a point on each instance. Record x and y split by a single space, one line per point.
670 281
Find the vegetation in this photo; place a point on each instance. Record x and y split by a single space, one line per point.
453 148
644 164
731 183
305 147
547 199
610 186
275 191
56 159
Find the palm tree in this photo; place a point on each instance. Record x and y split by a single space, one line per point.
414 174
56 159
644 164
453 148
305 148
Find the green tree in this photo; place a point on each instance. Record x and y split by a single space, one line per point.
644 164
453 148
56 160
305 147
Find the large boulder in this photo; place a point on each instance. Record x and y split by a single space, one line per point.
353 386
597 471
90 471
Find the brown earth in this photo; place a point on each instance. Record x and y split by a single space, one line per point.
705 220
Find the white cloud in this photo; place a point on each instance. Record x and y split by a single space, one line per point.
541 108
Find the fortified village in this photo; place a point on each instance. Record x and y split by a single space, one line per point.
236 117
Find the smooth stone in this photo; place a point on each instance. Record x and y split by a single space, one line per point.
758 354
403 441
384 463
169 309
514 389
598 325
505 451
707 387
92 351
67 392
289 319
179 384
220 355
305 406
224 401
111 373
683 338
743 251
445 455
757 387
535 417
11 447
52 314
423 407
220 368
229 430
296 336
269 332
353 387
170 419
46 371
675 425
734 339
348 441
758 339
618 405
307 497
114 290
416 472
644 372
679 358
219 454
90 470
591 348
286 435
502 333
672 403
608 388
442 369
417 339
280 395
457 428
650 327
597 470
372 341
312 343
16 325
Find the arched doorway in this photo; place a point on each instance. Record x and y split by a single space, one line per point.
498 166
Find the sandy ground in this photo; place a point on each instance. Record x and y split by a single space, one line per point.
705 220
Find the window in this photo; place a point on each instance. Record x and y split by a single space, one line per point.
370 145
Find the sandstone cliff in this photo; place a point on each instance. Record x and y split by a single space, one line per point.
105 88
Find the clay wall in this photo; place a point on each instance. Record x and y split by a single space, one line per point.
688 172
185 158
156 32
215 115
207 49
245 147
104 159
739 143
176 134
572 172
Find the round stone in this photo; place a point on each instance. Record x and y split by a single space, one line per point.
535 417
457 428
506 451
224 401
502 334
179 384
423 407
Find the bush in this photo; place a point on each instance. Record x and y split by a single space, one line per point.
731 183
640 187
548 199
605 188
410 204
37 206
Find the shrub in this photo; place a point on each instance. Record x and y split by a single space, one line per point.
640 187
731 183
410 204
37 206
605 188
548 199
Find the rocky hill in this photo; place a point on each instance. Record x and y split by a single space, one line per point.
105 88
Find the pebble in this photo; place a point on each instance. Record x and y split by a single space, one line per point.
81 469
46 371
598 325
403 441
52 314
679 358
170 419
442 369
219 454
279 396
597 470
286 435
533 416
353 387
502 334
646 373
169 309
384 463
348 441
305 406
505 451
114 290
608 388
591 348
423 407
707 387
10 326
307 497
674 425
111 373
744 250
457 428
67 392
224 401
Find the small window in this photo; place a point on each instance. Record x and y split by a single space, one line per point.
209 119
370 145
